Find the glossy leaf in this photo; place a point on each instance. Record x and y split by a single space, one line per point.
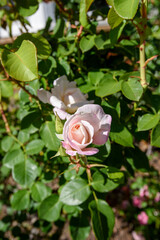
113 18
40 191
155 136
47 133
22 64
79 227
20 200
116 32
50 208
75 192
126 9
6 143
102 218
147 122
122 136
132 89
42 45
86 43
6 88
13 157
107 86
25 172
27 7
102 183
31 122
34 147
84 6
23 136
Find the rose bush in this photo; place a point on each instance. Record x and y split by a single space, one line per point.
64 97
88 125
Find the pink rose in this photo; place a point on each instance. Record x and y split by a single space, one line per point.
137 236
157 197
142 218
88 125
65 97
144 191
137 201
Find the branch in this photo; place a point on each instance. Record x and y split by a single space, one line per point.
5 119
21 86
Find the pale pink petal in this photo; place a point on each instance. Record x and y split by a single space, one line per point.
88 151
100 137
69 150
61 81
54 101
92 108
89 128
62 114
43 95
106 122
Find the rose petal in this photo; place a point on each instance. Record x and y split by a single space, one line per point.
43 95
88 151
62 114
54 101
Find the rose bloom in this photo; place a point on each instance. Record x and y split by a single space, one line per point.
157 197
142 218
144 191
137 201
64 97
88 125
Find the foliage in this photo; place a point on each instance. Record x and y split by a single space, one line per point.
105 65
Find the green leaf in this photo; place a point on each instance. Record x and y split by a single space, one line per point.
86 43
137 159
126 9
50 208
122 136
71 173
31 122
42 45
6 88
132 89
155 136
34 147
84 6
47 133
23 136
101 182
110 2
115 33
75 192
20 200
6 143
27 7
113 19
107 86
13 157
147 122
46 67
102 218
40 191
59 28
25 172
22 64
95 77
79 227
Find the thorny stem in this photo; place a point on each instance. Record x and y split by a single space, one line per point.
142 44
